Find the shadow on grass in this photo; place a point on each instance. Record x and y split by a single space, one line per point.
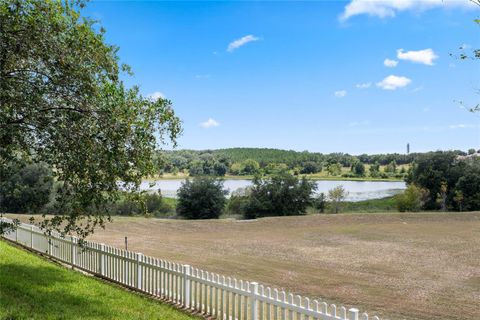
40 292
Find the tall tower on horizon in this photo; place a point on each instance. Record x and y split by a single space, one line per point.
408 148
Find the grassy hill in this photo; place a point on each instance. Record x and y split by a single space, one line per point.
34 288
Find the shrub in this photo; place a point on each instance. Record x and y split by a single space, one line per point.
202 198
236 205
131 204
412 199
320 202
337 196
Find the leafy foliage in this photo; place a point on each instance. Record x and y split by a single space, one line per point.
201 198
26 188
412 199
62 104
280 195
452 182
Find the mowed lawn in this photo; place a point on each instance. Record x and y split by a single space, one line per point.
34 288
398 266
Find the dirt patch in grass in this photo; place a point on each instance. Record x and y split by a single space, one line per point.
398 266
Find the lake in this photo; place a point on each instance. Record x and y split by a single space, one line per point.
357 190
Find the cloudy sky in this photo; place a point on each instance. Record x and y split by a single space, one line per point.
333 76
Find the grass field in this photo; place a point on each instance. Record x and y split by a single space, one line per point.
34 288
399 266
395 265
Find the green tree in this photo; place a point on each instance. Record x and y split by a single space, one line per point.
280 195
334 169
391 167
412 199
62 103
433 169
442 196
201 198
468 191
374 170
310 167
358 169
337 196
27 189
250 167
320 202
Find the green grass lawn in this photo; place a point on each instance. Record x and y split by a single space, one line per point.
31 287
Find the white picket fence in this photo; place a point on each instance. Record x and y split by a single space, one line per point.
194 289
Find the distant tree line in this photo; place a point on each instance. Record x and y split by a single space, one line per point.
252 161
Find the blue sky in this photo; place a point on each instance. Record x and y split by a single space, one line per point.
305 75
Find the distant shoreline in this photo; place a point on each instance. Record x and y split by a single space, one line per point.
310 177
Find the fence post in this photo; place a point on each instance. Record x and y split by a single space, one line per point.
49 243
353 314
253 301
101 259
187 271
74 251
31 237
16 233
139 257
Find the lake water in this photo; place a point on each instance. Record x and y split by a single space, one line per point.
357 190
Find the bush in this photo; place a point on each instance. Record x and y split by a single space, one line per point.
202 198
281 195
320 202
412 199
236 205
132 204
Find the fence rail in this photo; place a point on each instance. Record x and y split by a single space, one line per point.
198 290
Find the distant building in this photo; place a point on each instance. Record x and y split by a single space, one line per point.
408 148
469 156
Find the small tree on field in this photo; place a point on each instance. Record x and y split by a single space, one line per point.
336 196
202 198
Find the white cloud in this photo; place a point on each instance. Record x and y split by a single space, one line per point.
156 95
389 8
365 85
462 126
425 56
210 123
359 123
390 63
394 82
240 42
340 93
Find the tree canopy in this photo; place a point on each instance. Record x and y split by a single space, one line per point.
63 103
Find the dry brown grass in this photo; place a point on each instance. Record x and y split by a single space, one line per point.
398 266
